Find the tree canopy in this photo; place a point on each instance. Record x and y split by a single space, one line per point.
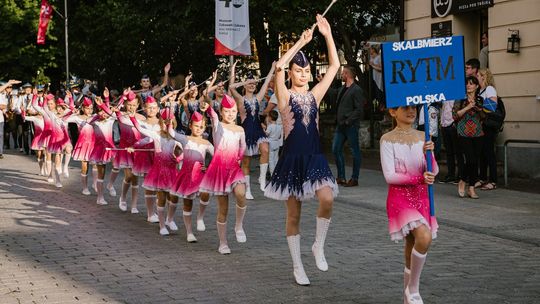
116 41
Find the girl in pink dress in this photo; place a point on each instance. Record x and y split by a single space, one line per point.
56 136
256 139
191 174
86 140
101 153
224 174
162 174
37 120
404 167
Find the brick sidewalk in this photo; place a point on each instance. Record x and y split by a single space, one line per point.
60 247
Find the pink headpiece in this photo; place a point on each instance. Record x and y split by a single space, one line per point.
196 117
131 96
87 102
228 102
166 113
60 102
149 100
49 97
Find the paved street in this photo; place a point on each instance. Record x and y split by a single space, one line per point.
60 247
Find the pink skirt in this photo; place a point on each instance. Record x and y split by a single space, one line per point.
407 208
188 180
221 176
85 144
162 174
58 141
143 160
100 155
37 142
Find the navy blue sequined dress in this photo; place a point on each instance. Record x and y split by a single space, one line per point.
249 114
302 168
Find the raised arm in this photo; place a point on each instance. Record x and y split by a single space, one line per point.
264 87
232 89
148 133
166 70
320 89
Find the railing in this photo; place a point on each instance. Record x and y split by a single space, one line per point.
513 141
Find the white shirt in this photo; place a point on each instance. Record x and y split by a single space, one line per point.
433 120
446 114
377 75
273 100
3 101
275 135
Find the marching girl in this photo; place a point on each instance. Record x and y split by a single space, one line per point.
224 175
102 152
191 104
302 170
30 114
256 140
189 178
55 136
86 140
143 160
67 148
162 174
407 205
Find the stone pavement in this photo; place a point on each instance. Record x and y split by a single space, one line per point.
60 247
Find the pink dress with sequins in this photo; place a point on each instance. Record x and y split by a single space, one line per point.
143 160
37 142
103 132
224 171
128 137
162 174
191 174
403 163
86 140
55 135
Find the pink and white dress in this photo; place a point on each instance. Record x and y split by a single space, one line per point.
403 163
128 137
103 132
86 141
224 171
38 131
54 129
191 174
162 174
143 160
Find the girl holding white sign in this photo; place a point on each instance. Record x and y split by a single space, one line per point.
407 206
302 171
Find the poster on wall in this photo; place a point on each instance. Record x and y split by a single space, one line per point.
443 8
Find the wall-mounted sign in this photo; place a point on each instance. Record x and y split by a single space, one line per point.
443 8
441 29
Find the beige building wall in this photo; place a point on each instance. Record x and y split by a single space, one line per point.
517 76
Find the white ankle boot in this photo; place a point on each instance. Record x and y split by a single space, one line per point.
249 196
299 273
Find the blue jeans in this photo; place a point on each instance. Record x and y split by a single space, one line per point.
347 133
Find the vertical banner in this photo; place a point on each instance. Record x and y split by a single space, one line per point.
44 18
232 28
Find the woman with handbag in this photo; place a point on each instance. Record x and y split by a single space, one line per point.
491 129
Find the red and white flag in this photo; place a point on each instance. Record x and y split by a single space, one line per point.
44 18
232 28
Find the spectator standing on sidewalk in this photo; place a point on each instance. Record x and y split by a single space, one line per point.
350 100
453 154
488 159
484 52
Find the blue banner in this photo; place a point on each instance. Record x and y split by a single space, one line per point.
423 71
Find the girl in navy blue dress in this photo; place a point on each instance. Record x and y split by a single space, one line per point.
302 171
256 139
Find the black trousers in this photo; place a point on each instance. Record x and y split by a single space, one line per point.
454 155
488 159
472 148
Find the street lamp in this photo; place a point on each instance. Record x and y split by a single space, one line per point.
513 42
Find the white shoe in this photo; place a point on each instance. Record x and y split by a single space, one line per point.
153 218
320 259
241 236
224 250
112 191
58 185
66 174
163 231
414 298
191 238
94 186
134 210
300 276
200 225
171 225
249 196
50 180
85 191
102 202
122 206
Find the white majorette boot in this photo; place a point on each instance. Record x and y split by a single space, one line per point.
318 246
100 199
238 227
249 196
84 182
262 176
161 216
299 273
169 222
200 216
222 232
